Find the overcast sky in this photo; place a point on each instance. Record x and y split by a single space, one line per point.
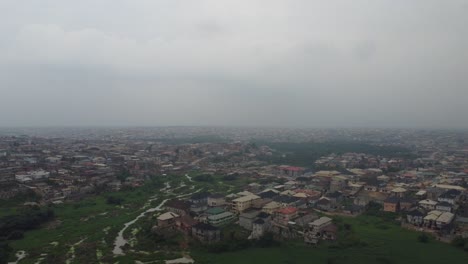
294 63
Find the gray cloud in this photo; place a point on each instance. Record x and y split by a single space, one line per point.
267 63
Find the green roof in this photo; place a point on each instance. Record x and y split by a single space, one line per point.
215 211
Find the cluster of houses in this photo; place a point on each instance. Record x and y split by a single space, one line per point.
290 207
429 190
283 212
69 168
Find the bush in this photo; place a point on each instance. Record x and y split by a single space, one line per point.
423 238
114 200
13 225
459 242
5 251
267 240
15 235
204 178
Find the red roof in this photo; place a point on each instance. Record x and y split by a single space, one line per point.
307 191
291 168
287 210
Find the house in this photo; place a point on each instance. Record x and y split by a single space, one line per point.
284 215
322 228
302 222
270 207
324 204
334 197
206 233
415 217
178 206
431 218
445 220
199 202
260 203
185 223
216 200
361 200
392 204
353 209
406 203
450 196
286 201
243 203
247 218
200 198
444 207
291 171
215 211
398 192
167 219
270 194
260 225
320 223
221 219
428 204
422 194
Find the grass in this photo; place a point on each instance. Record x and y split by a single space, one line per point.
97 223
384 243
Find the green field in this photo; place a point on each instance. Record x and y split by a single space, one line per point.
380 242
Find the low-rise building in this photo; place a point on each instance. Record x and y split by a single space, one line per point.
428 204
243 203
284 215
392 204
167 219
206 233
221 219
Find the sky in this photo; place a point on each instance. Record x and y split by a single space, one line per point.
291 63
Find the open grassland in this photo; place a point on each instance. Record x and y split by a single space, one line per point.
375 242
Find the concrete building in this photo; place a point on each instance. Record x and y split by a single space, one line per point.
243 203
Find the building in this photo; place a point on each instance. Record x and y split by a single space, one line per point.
392 204
398 192
259 227
291 171
415 217
406 203
216 200
167 219
247 218
428 204
178 206
444 207
221 219
200 198
284 215
243 203
206 233
320 229
271 207
450 196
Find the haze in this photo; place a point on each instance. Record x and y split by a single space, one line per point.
236 63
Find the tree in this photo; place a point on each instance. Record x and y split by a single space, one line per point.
423 238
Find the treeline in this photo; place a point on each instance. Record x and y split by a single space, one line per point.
13 226
204 178
306 153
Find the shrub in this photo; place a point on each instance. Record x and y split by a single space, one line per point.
114 200
423 238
